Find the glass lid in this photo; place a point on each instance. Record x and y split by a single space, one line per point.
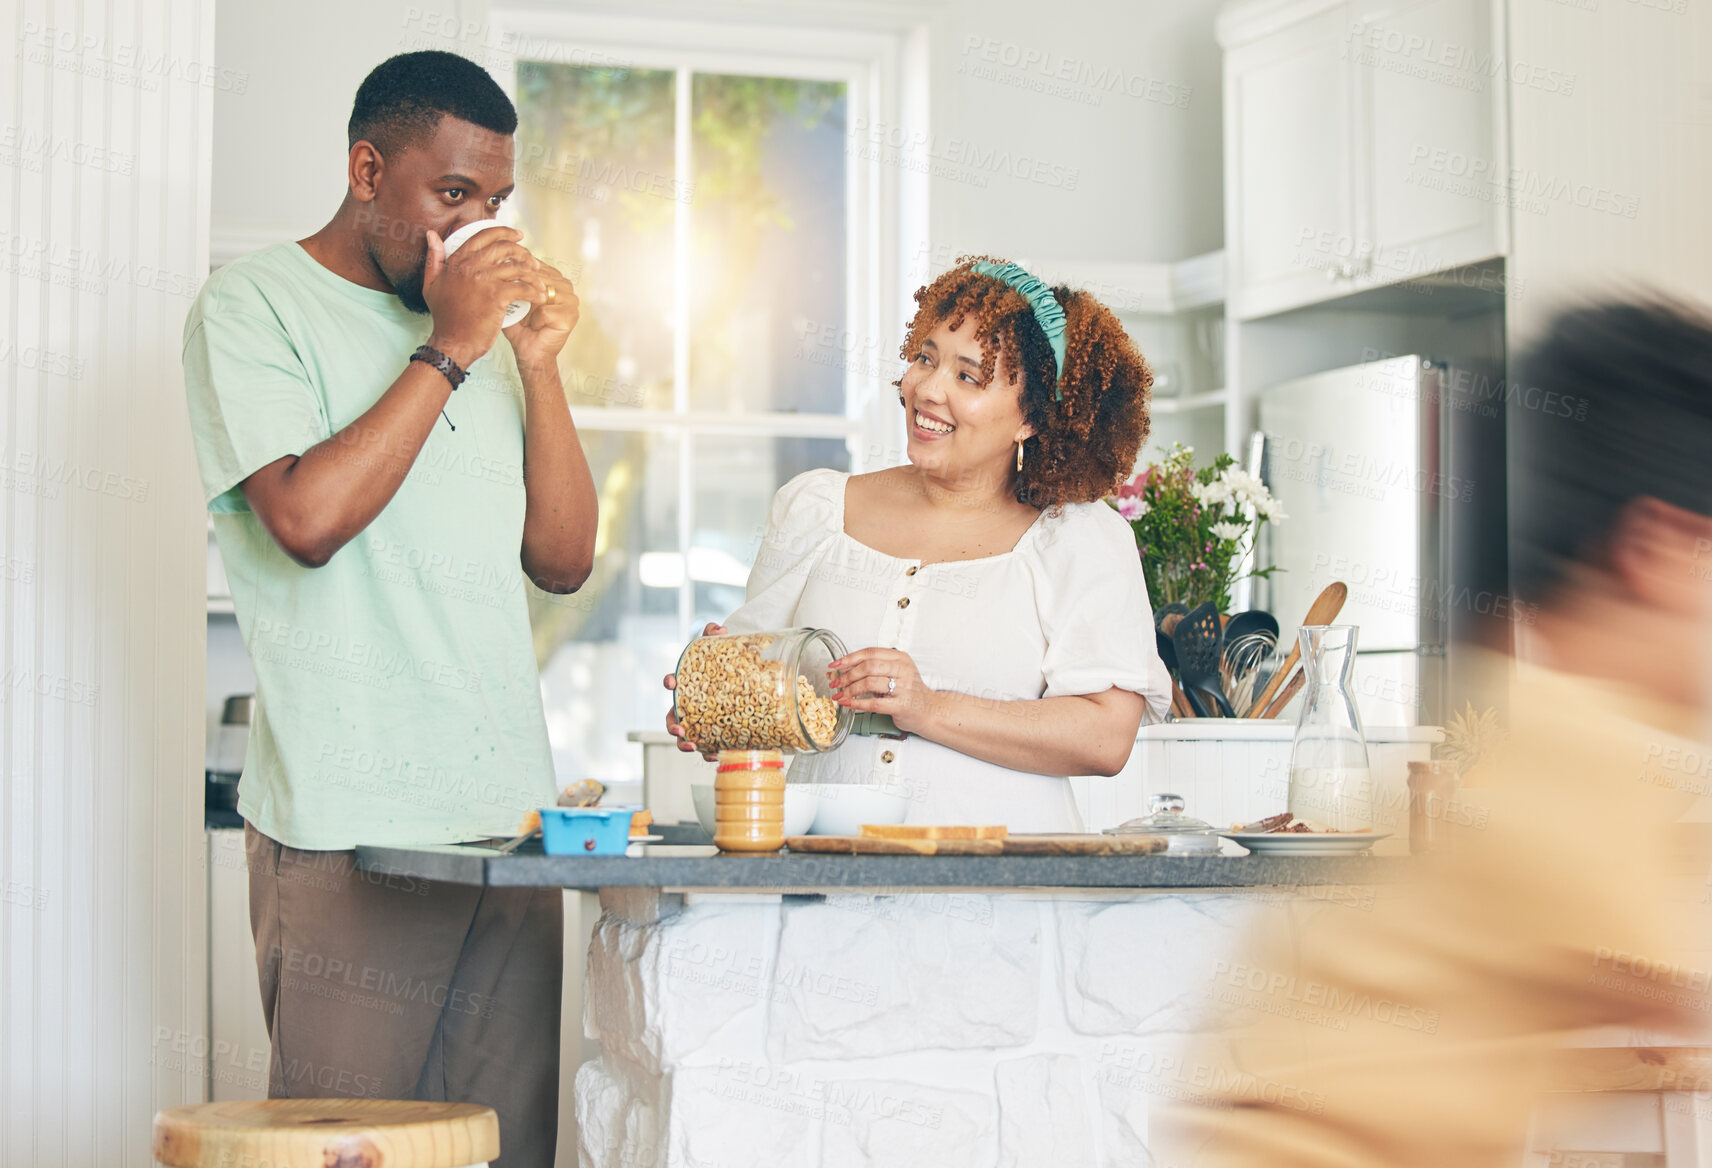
1167 818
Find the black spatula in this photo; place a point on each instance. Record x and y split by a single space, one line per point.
1199 639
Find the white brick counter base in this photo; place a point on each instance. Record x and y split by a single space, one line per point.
932 1028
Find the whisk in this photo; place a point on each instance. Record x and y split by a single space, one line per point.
1247 665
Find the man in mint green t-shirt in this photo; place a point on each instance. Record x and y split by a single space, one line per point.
383 474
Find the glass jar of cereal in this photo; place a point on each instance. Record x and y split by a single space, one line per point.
761 691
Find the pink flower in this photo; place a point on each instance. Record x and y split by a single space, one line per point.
1131 507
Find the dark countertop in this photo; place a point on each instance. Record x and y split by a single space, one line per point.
679 867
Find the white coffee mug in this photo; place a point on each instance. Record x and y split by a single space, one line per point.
518 308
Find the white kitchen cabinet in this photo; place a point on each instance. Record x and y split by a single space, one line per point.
1431 178
1288 154
1363 145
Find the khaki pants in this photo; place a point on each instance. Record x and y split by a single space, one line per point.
391 987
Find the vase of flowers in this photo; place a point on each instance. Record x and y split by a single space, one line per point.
1194 528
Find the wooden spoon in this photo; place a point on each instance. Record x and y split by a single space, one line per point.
1290 691
1323 611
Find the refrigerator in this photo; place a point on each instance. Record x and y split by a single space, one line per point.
1392 475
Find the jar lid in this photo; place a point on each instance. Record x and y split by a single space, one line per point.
749 760
1167 819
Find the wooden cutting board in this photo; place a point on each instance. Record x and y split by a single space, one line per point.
1016 845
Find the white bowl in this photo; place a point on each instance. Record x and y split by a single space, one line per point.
519 308
800 803
845 807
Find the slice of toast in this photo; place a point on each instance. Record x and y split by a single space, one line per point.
933 831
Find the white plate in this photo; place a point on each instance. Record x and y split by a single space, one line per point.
1304 843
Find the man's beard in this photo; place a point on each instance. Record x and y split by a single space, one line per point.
408 288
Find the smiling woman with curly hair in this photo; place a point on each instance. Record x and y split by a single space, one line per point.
1008 640
1086 426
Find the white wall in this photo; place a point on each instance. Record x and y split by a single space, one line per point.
1632 140
279 146
1147 158
104 147
1128 144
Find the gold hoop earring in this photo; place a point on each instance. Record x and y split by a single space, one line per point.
1019 455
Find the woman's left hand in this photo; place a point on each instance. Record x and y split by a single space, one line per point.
883 681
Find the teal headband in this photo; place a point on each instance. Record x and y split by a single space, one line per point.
1047 311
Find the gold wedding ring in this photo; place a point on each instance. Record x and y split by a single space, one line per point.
552 292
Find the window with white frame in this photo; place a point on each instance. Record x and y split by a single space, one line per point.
719 233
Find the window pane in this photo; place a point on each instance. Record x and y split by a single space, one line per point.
734 480
596 198
604 649
599 197
767 262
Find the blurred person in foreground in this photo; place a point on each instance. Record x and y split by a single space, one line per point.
1424 1032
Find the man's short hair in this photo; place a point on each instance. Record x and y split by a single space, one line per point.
402 101
1623 410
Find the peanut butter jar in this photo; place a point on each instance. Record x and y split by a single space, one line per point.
749 801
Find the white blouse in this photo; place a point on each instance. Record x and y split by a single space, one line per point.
1064 612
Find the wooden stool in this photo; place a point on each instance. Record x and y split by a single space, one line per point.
1651 1108
326 1133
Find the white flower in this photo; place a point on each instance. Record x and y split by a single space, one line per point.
1244 487
1213 494
1232 531
1249 491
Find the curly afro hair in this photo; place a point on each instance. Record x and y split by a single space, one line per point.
1085 446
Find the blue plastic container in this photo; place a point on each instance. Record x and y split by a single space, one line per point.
585 831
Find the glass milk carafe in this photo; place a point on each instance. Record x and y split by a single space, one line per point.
1330 783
